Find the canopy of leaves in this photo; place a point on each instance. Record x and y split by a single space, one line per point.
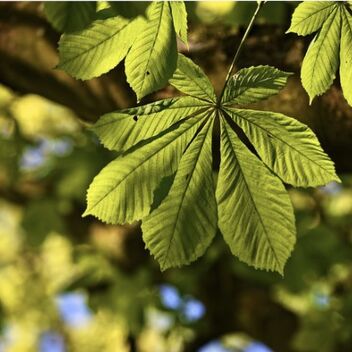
331 47
147 41
247 200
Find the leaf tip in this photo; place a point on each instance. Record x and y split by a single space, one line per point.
337 179
311 98
164 265
86 213
280 271
163 268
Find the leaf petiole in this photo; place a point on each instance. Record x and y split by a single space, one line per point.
250 25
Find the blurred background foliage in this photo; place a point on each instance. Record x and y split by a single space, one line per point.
72 284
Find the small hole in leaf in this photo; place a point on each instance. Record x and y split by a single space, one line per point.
135 117
147 73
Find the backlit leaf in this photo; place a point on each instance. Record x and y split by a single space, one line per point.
330 47
123 191
346 55
169 234
153 57
190 79
122 129
99 48
309 16
252 84
322 58
255 213
179 15
287 146
164 174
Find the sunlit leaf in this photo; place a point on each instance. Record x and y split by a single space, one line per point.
346 55
252 84
255 213
99 48
164 174
330 48
190 79
153 57
123 191
122 129
322 58
169 234
287 146
309 16
179 15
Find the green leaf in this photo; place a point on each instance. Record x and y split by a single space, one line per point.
70 16
129 9
255 213
322 58
287 147
179 16
122 129
331 45
309 16
168 232
153 57
190 79
123 191
252 84
346 55
164 172
99 48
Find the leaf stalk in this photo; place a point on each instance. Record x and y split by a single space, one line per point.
250 25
